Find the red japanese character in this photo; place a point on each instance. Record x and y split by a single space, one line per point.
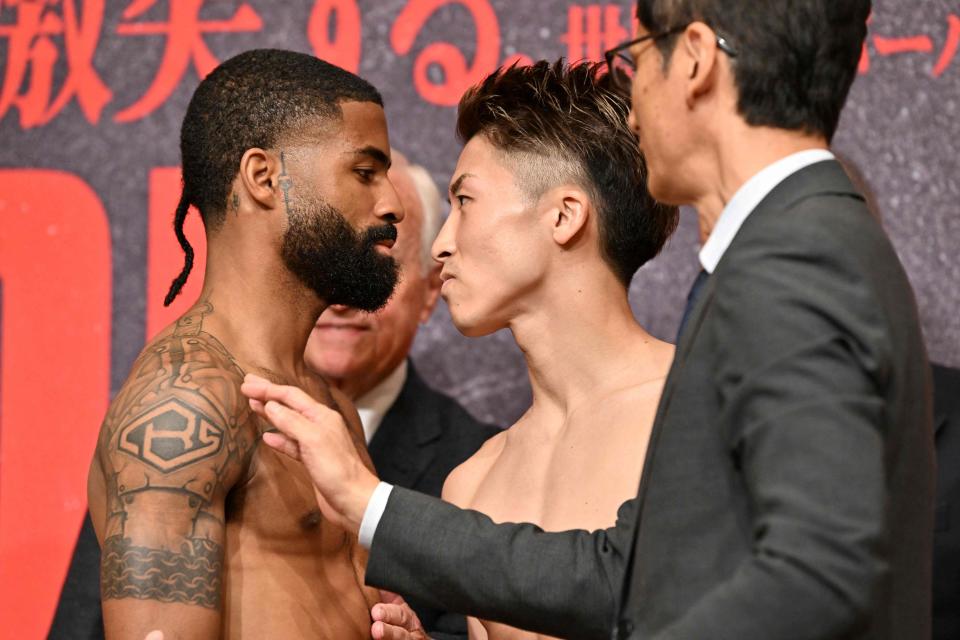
457 76
343 49
32 56
911 44
949 47
184 32
591 30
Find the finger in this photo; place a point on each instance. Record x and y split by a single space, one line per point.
282 443
257 407
254 386
154 635
289 422
381 631
293 397
392 614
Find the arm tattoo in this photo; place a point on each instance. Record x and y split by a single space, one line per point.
191 576
177 437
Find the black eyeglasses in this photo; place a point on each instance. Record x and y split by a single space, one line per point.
622 66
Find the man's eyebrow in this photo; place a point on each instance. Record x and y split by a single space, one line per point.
456 184
376 153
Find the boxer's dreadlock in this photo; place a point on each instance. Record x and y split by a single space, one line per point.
256 99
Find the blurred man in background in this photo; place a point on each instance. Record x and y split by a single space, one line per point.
415 435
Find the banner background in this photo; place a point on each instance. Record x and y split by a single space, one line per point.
92 96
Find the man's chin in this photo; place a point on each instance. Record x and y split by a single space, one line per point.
472 327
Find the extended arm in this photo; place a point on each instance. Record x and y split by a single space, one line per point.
563 584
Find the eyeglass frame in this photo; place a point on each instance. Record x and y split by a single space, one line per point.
617 51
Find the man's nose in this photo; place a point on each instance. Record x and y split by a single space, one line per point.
389 208
444 246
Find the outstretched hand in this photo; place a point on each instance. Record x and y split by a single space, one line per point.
393 619
317 436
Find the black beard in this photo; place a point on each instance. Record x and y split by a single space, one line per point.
339 264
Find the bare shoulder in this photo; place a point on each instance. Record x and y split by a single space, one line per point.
177 437
462 483
648 375
180 405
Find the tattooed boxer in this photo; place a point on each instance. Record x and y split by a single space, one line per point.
205 533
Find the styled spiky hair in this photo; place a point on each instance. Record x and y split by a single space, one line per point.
559 123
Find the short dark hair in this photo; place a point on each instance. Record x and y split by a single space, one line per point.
795 60
258 98
569 122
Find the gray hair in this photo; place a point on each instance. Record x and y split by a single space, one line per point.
432 206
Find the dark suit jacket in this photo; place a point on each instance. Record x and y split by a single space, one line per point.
946 537
788 486
423 436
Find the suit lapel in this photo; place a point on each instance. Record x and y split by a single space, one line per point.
821 178
405 444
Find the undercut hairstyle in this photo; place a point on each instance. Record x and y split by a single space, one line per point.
260 98
567 124
796 59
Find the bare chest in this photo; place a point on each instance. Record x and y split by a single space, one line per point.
275 513
575 480
289 572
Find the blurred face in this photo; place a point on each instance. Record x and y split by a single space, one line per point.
494 248
341 210
357 350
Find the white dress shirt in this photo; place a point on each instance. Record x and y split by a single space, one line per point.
374 404
741 205
746 199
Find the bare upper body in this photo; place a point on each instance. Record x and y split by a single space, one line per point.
530 260
563 471
204 532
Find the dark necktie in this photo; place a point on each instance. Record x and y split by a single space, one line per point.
695 290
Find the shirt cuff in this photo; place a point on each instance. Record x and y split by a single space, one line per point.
371 517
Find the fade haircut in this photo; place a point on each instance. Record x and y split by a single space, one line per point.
259 98
796 59
558 123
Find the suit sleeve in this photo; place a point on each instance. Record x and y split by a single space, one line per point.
563 584
803 394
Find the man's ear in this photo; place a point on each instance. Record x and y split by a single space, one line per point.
698 60
570 214
259 175
431 292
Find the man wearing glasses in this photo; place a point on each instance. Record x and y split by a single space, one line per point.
787 488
